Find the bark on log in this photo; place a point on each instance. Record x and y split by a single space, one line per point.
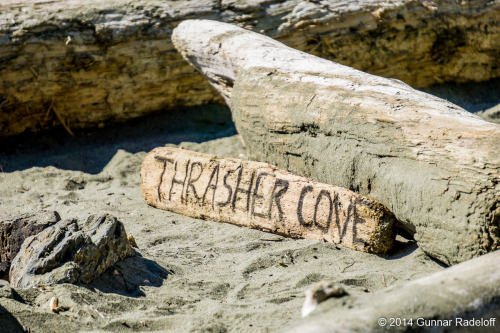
260 196
93 62
449 300
434 165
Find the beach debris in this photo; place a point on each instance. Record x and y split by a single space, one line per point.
70 251
15 229
91 307
261 196
131 239
55 307
422 42
432 163
462 297
54 304
319 292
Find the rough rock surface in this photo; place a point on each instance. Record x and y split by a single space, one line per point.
89 63
70 252
15 229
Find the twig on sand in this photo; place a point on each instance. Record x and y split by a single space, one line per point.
61 120
91 307
383 280
48 110
350 265
271 240
66 127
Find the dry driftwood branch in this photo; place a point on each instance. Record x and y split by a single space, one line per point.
433 164
104 61
260 196
452 299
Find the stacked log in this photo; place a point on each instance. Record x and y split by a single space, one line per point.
89 63
434 165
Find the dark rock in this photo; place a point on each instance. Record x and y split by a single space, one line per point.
70 252
15 229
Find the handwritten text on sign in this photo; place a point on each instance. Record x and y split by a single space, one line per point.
260 196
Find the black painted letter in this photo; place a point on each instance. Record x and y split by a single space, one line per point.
190 180
215 173
301 203
276 196
256 194
323 193
175 181
164 161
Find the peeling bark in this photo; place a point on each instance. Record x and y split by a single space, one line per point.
98 62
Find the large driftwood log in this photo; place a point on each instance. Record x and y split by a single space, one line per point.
434 165
462 298
88 63
260 196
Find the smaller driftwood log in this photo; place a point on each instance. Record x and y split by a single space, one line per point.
260 196
462 298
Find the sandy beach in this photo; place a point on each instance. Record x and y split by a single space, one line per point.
187 275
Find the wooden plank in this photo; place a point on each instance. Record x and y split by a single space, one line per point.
434 165
260 196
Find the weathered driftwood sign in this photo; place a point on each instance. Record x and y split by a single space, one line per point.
434 165
260 196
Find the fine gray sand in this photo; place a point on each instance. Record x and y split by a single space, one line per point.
187 275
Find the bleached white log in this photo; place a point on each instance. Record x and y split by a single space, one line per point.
462 298
436 166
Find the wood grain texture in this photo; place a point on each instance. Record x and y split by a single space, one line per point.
452 299
260 196
434 165
98 62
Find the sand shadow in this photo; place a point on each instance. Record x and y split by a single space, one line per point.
91 150
472 96
127 276
8 323
404 248
401 249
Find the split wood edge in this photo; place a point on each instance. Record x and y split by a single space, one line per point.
261 196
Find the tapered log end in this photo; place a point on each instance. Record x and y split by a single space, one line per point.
194 39
220 50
